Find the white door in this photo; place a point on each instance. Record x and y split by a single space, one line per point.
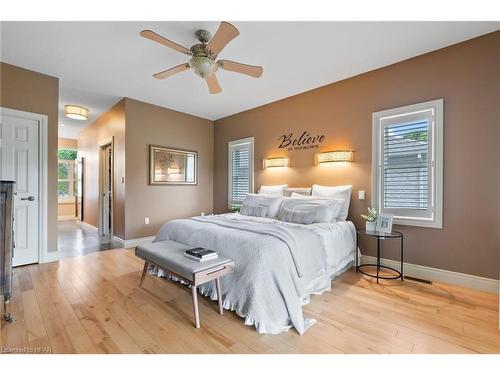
19 163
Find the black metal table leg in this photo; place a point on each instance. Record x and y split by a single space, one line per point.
401 258
356 252
378 256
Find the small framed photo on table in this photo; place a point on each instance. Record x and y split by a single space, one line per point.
384 223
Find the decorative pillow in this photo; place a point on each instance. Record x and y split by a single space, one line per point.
342 192
272 203
337 203
319 210
273 189
253 210
304 191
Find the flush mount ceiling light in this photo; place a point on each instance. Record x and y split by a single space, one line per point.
276 162
334 156
76 112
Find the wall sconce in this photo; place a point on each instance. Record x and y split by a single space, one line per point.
275 162
334 156
76 112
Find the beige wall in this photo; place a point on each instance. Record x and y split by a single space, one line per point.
67 143
30 91
466 76
110 124
149 124
65 210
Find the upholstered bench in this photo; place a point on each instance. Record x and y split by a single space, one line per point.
169 256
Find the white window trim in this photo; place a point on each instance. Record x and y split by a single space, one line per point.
71 179
437 161
231 144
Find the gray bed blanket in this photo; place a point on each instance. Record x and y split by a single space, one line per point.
305 246
275 265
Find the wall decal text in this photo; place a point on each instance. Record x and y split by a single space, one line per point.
304 142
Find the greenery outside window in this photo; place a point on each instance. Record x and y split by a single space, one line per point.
66 175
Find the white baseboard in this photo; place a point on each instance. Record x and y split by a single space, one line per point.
439 275
88 226
52 256
134 241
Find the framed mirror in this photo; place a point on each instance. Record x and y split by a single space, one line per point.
168 166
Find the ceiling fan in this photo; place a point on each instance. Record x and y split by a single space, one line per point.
204 55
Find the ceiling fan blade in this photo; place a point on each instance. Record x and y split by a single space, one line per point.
213 84
151 35
222 37
170 72
251 70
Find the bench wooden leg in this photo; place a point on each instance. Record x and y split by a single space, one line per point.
144 272
219 295
195 306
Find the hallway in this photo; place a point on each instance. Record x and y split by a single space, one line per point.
74 239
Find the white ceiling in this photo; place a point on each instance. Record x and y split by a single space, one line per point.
100 62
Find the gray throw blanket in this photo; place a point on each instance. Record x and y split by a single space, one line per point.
266 288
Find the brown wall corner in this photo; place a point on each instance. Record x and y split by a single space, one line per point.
29 91
109 124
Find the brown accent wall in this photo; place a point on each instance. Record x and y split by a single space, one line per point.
467 77
149 124
110 124
29 91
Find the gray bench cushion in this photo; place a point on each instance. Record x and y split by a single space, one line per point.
170 256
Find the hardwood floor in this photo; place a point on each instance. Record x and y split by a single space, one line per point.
92 304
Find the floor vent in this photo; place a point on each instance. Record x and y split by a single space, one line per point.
416 279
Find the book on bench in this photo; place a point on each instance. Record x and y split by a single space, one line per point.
200 254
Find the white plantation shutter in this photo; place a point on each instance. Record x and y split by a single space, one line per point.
240 170
406 166
407 163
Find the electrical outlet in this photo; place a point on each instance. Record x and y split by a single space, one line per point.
361 195
146 220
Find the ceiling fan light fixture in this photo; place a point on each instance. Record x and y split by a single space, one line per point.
76 112
203 66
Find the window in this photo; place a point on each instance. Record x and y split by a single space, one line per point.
240 171
407 168
66 175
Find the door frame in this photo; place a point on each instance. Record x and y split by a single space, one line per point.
43 166
103 144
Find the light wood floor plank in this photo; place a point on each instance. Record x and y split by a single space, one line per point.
92 304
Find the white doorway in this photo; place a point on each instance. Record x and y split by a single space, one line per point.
23 137
106 188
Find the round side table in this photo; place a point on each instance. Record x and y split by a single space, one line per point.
380 236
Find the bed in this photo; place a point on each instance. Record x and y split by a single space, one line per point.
278 264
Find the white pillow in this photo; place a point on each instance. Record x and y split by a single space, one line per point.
320 210
299 217
251 210
289 191
342 192
273 189
272 203
337 202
